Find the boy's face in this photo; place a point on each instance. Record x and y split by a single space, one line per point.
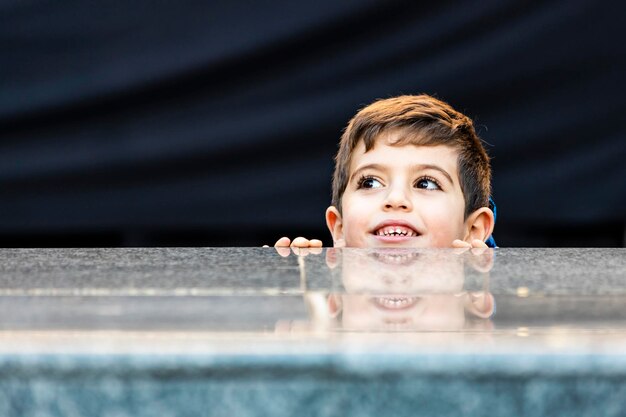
406 196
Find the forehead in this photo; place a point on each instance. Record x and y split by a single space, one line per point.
387 151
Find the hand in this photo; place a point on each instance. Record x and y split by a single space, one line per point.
300 246
299 242
483 255
476 243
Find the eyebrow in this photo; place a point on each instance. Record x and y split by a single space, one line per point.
422 167
375 167
419 167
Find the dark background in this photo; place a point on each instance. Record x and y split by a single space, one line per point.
141 123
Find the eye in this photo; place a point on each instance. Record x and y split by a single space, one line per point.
369 183
426 183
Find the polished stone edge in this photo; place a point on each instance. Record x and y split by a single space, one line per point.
607 365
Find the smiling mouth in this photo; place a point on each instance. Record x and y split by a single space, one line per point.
395 257
394 302
395 231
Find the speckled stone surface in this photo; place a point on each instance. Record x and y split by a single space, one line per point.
253 332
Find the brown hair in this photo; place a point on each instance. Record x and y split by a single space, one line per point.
427 121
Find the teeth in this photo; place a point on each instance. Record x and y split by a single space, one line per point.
395 231
395 302
396 259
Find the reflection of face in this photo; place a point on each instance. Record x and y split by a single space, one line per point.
402 271
402 289
429 312
406 196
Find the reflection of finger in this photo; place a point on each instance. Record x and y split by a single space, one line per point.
300 242
331 258
283 241
300 326
484 262
478 251
319 313
315 243
284 252
315 250
300 251
306 251
282 326
481 259
291 326
458 251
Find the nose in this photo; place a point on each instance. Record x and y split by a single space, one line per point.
398 199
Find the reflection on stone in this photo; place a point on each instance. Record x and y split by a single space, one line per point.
252 331
401 290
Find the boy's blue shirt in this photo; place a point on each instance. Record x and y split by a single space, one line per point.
491 241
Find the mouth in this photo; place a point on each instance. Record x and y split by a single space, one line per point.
396 302
395 231
395 257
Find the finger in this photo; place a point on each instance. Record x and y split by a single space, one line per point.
283 241
458 243
477 243
315 243
306 251
300 242
266 246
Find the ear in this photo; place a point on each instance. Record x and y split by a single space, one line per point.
335 226
480 304
479 225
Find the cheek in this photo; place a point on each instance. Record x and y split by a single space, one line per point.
445 224
355 220
353 228
438 215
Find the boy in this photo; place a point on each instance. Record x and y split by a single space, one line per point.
410 172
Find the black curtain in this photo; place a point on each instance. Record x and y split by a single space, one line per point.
215 123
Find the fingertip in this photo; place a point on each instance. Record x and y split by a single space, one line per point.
300 242
315 243
283 241
458 243
477 243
